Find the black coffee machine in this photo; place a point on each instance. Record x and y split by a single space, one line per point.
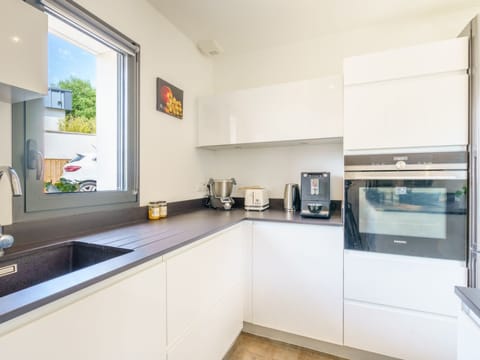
315 195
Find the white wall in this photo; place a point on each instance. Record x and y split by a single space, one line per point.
324 56
275 166
52 117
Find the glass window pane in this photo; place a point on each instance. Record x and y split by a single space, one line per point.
81 120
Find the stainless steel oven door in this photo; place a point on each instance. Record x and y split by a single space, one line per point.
417 213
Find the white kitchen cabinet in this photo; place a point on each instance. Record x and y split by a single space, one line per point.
412 97
123 319
211 334
409 282
419 60
23 74
305 110
399 333
468 335
401 306
298 279
205 295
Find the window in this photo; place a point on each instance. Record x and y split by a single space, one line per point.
78 145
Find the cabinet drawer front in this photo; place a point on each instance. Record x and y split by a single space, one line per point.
399 333
403 281
413 112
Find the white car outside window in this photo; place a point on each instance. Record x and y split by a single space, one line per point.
83 170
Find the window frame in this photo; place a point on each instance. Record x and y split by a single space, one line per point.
35 204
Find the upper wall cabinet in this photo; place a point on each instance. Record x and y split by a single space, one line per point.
305 110
24 30
412 97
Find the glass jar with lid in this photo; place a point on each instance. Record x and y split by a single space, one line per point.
157 210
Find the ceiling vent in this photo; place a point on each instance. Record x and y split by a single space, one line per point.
209 47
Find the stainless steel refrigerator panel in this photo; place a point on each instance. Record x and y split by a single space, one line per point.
472 30
474 268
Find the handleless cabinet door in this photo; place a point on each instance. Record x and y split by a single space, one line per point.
298 279
302 110
23 74
123 318
468 336
412 112
401 281
398 332
409 97
401 306
205 295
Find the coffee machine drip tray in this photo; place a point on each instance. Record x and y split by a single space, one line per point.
316 209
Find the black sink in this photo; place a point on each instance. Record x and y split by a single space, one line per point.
45 263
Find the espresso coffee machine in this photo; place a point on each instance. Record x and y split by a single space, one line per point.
219 193
315 194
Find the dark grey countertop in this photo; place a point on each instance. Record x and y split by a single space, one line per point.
150 240
470 297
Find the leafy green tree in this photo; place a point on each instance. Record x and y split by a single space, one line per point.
82 117
83 97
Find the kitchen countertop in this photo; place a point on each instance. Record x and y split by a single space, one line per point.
470 297
150 240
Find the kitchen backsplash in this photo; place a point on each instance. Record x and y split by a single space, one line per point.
273 167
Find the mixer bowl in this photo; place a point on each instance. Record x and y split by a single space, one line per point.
222 188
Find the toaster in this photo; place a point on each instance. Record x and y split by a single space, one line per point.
256 199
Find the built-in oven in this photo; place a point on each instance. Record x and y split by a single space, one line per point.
409 204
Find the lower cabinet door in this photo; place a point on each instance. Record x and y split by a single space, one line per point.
468 336
123 320
211 336
298 279
205 296
403 334
200 276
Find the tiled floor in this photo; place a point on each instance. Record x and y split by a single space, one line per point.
251 347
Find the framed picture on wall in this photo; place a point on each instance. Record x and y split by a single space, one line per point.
169 99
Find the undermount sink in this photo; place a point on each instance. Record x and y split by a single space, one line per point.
20 271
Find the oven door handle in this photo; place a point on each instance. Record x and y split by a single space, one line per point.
406 175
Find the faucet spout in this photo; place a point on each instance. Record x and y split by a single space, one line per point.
14 179
6 241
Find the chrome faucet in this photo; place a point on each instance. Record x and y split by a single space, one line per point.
6 241
14 179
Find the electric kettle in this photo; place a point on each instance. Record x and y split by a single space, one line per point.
291 197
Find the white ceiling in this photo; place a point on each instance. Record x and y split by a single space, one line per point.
245 25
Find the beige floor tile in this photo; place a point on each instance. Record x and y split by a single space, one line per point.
251 347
